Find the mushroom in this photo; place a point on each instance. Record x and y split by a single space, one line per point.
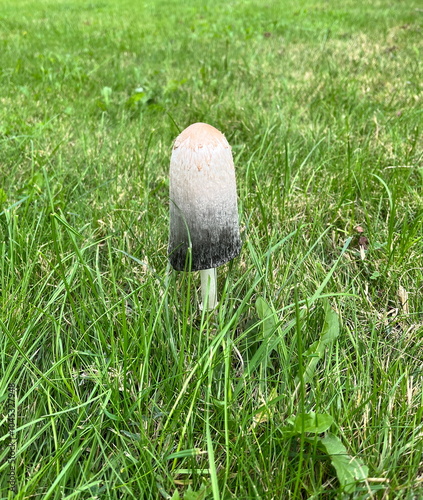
203 206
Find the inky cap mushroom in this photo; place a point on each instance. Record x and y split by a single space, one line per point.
203 200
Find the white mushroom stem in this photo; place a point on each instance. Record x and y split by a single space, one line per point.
208 288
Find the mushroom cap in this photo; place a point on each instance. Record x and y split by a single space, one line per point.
203 200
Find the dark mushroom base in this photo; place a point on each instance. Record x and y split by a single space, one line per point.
209 249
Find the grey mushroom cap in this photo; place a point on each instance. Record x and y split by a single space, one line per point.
203 200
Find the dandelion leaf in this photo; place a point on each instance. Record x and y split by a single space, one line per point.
316 351
349 470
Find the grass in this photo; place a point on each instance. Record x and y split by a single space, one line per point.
122 387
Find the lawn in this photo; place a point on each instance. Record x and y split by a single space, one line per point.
306 381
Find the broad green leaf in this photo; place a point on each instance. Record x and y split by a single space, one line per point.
266 314
201 494
349 470
316 351
311 422
271 338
